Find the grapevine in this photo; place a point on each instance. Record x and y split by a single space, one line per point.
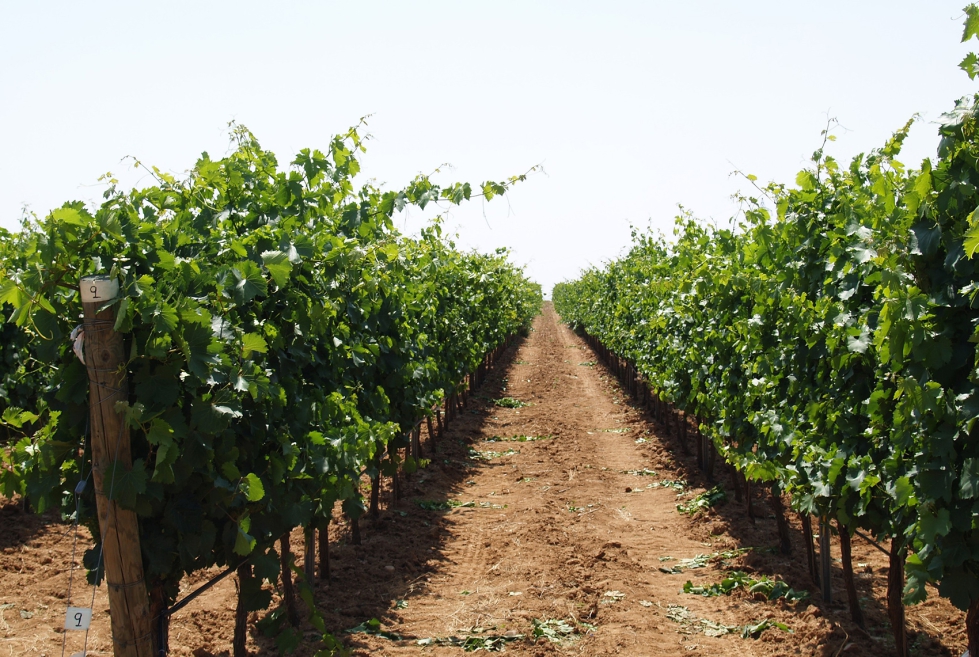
281 338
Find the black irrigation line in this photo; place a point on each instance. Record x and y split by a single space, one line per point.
871 541
163 649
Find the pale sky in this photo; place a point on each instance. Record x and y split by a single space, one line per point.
631 107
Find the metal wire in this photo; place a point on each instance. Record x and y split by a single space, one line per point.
102 530
79 488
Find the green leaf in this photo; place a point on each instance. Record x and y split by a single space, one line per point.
230 471
805 180
278 265
859 343
160 432
17 417
123 323
971 28
288 640
927 238
166 456
196 346
970 64
251 486
934 524
253 342
253 596
959 586
69 216
165 318
855 480
122 484
249 282
971 243
265 566
12 293
244 542
969 479
902 490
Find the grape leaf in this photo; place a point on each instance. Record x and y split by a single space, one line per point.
122 484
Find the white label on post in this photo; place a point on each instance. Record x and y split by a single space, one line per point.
78 618
99 288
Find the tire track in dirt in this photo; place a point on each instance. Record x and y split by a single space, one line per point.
577 539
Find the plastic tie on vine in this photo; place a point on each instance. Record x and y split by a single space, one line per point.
78 342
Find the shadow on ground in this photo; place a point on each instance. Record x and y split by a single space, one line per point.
761 534
19 525
403 545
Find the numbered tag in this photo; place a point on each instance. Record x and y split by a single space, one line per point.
78 618
99 288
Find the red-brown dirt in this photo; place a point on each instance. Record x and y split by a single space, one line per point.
565 528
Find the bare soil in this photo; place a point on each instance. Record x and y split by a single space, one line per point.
565 531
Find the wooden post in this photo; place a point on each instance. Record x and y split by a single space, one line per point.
309 554
785 542
133 631
285 571
240 639
431 433
736 483
700 451
373 507
416 441
324 541
895 603
825 559
810 550
856 614
972 627
684 432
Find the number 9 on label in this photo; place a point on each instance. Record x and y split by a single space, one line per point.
78 618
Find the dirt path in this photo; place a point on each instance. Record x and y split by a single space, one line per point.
569 532
583 537
577 539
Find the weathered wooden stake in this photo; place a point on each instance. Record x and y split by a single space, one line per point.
781 522
825 559
373 507
895 602
700 451
749 498
856 614
324 541
288 590
416 441
309 554
972 627
736 483
431 433
133 630
238 645
810 549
